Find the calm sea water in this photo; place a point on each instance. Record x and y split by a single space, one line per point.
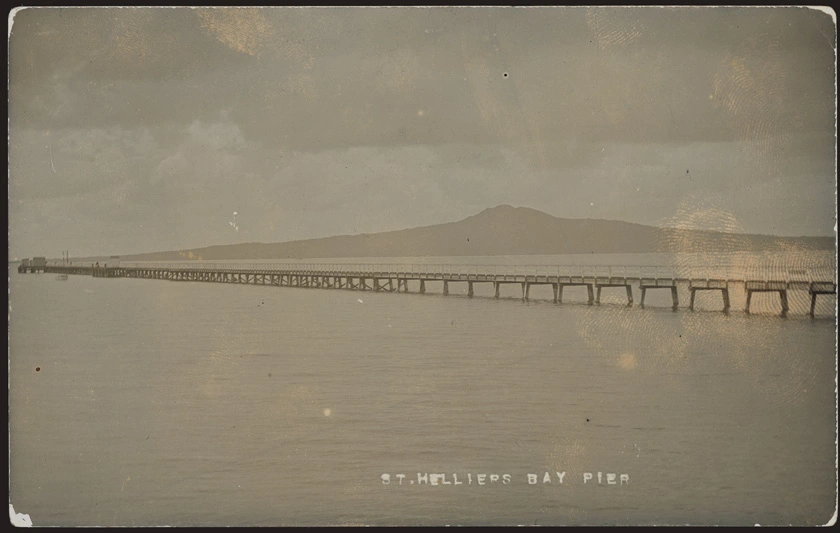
145 402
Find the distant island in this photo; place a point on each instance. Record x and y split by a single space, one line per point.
501 230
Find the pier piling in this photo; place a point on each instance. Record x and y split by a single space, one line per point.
767 286
395 278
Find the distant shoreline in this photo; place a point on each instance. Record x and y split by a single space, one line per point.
500 231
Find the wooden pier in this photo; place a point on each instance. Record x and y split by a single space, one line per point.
396 278
767 286
656 283
820 287
712 285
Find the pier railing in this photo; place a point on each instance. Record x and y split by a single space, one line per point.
731 272
816 279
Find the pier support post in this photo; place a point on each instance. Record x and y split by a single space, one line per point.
598 296
629 296
422 286
496 283
725 293
749 297
676 299
470 289
527 286
642 303
813 303
376 286
559 294
445 287
555 286
589 290
694 293
523 291
783 297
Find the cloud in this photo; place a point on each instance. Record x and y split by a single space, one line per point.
298 70
83 160
209 152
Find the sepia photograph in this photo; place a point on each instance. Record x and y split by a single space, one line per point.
422 266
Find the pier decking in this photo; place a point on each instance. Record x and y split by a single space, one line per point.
396 278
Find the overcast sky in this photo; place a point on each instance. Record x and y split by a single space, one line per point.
137 130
